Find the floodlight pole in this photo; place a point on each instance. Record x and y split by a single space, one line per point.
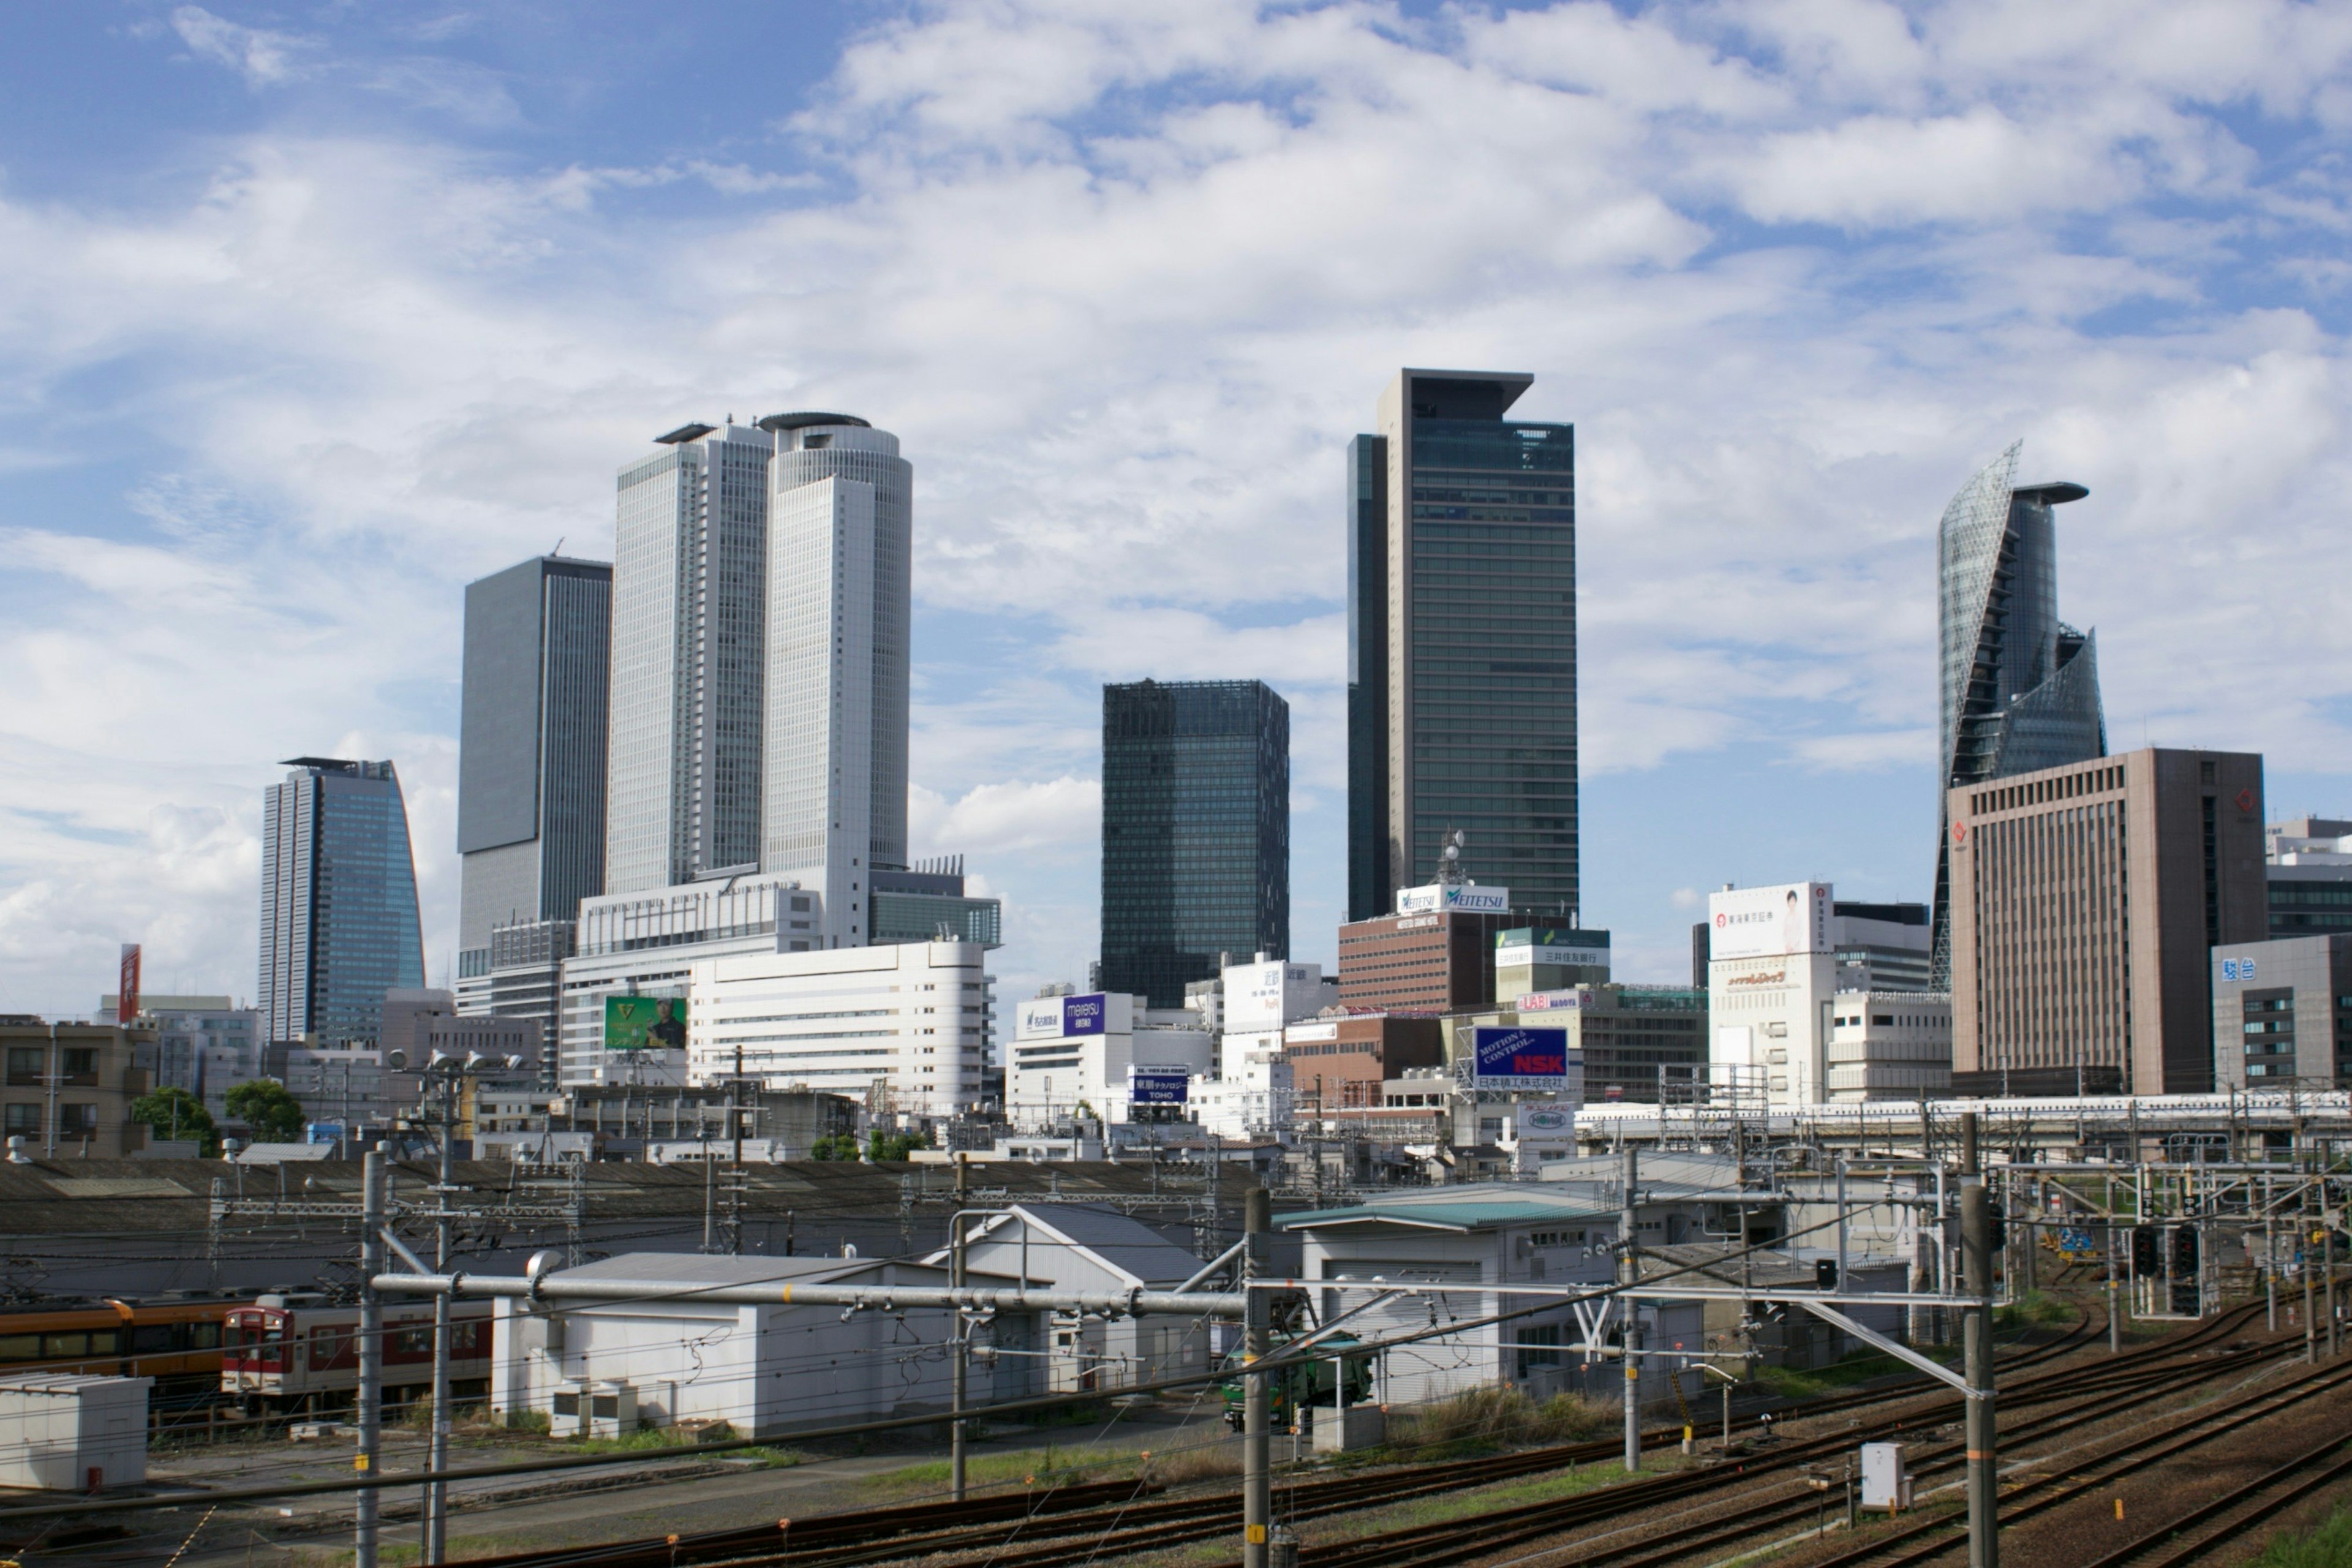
1975 1261
1630 1268
1257 1315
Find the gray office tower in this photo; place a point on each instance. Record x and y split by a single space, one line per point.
1462 644
530 779
338 924
1195 832
2020 686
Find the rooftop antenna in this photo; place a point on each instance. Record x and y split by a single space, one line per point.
559 545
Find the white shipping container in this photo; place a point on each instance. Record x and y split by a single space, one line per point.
66 1433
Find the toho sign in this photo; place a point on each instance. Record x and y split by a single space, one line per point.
1468 898
1518 1059
1157 1085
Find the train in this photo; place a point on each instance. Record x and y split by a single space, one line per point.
175 1340
1304 1387
282 1352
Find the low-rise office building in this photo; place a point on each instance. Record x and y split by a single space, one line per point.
2308 872
1779 957
903 1027
2283 1013
1531 958
1646 1043
1889 1045
1338 1065
1435 954
204 1044
1075 1054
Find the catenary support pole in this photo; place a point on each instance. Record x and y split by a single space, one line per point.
962 1331
1629 1271
1975 1261
437 1493
1257 1484
370 1396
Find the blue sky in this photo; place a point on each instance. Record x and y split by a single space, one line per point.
310 313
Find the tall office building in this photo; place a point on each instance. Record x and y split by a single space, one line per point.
2086 901
839 592
339 923
2020 688
1196 832
531 781
762 604
1462 643
689 566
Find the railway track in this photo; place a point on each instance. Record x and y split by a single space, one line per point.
1046 1529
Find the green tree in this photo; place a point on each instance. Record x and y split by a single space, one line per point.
883 1147
835 1146
268 1108
176 1113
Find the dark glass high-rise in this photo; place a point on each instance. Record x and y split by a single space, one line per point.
1462 713
1195 832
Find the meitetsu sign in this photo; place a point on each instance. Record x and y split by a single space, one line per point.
1468 897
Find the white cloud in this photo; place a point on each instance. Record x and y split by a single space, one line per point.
263 57
1124 277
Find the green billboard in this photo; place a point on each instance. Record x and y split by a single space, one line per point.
644 1022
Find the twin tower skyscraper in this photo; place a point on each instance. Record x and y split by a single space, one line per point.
748 710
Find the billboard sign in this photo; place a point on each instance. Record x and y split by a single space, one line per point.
1157 1085
1550 1002
126 987
1518 1059
1768 923
1051 1017
1465 897
644 1022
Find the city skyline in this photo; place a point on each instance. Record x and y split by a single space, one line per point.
1784 304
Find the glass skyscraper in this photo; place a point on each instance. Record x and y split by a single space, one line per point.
339 923
1196 832
1462 644
2019 689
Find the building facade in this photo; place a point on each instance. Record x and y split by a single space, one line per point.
1337 1065
531 749
68 1088
1073 1056
646 944
1195 831
690 569
2283 1013
1438 961
339 920
533 755
1462 637
2020 688
927 903
203 1045
1528 959
903 1027
840 597
1889 1045
2310 876
2086 901
1646 1043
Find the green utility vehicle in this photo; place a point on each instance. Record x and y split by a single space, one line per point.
1307 1386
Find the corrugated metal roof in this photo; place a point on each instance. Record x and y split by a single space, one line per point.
1475 1206
706 1268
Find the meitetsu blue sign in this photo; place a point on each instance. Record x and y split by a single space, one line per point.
1518 1059
1083 1014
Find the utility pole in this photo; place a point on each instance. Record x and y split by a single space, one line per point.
1257 1324
1629 1271
371 1390
961 1330
437 1493
1975 1259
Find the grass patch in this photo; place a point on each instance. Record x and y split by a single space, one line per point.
2034 1310
1467 1503
1048 1466
1803 1382
1478 1420
2326 1545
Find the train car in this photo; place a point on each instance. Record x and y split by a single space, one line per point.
285 1353
1305 1387
176 1341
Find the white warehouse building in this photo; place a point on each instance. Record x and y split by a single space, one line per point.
913 1018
